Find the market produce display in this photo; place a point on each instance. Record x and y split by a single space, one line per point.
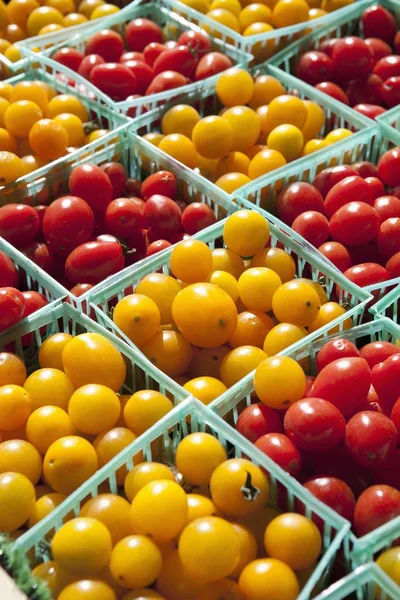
200 399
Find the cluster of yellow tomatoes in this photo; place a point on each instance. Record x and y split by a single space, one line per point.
199 528
37 125
219 314
259 129
21 19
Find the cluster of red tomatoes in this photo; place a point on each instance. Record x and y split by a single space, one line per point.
362 73
143 64
341 438
352 215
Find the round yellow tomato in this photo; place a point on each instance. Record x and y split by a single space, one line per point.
279 381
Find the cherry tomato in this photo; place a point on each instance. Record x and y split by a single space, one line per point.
106 43
180 59
345 191
124 217
388 66
376 506
378 22
80 289
114 79
378 47
141 32
388 239
354 223
376 187
144 74
68 222
117 175
333 90
337 254
351 55
395 415
12 304
152 52
69 57
393 266
127 56
297 198
33 302
88 63
197 216
385 377
387 207
169 80
257 420
162 182
333 492
8 272
313 226
367 274
365 90
369 110
157 246
40 254
326 46
345 383
93 185
329 177
282 451
94 261
18 224
365 169
212 64
162 215
314 424
391 91
371 438
389 167
137 246
315 67
335 349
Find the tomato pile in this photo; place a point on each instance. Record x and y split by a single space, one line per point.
352 215
21 19
336 432
244 142
143 63
214 319
219 541
362 73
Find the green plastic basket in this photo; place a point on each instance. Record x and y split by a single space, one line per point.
389 305
140 159
363 584
389 123
168 432
357 551
162 13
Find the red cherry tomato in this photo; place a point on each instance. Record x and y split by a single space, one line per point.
335 349
69 57
367 274
137 247
389 167
371 438
157 246
315 67
282 451
116 174
127 56
106 43
365 169
393 266
180 59
169 80
80 289
68 222
93 185
313 226
152 52
309 383
378 505
314 424
39 253
257 420
388 239
144 74
378 22
345 383
125 217
141 32
114 79
88 63
162 182
133 187
212 64
198 41
391 91
387 207
333 90
8 272
395 416
94 261
298 198
378 47
376 187
337 254
385 377
33 302
197 216
12 304
329 177
351 55
18 224
354 223
365 90
163 216
326 46
346 191
386 67
335 493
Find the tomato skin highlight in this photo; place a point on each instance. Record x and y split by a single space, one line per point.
168 80
94 261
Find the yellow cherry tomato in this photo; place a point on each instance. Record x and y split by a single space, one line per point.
279 381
